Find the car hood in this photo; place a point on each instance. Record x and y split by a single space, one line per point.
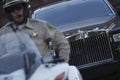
88 24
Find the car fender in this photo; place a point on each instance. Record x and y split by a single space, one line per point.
74 74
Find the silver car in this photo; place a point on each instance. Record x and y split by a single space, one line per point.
92 28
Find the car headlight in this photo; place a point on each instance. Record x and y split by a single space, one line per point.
116 37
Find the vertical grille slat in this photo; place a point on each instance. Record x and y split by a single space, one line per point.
90 50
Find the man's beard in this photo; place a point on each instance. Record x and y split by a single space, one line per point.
21 22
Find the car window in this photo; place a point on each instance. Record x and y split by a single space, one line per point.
70 13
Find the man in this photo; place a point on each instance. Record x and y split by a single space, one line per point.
18 12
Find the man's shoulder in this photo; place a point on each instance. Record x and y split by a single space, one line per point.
6 25
5 28
44 23
38 21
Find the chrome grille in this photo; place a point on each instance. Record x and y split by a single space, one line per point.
90 50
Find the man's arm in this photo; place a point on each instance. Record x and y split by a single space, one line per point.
60 42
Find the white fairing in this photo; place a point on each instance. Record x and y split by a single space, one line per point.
20 42
51 72
74 74
16 75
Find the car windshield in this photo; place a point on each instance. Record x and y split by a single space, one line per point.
74 12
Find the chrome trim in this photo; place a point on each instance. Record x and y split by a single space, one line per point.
110 6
